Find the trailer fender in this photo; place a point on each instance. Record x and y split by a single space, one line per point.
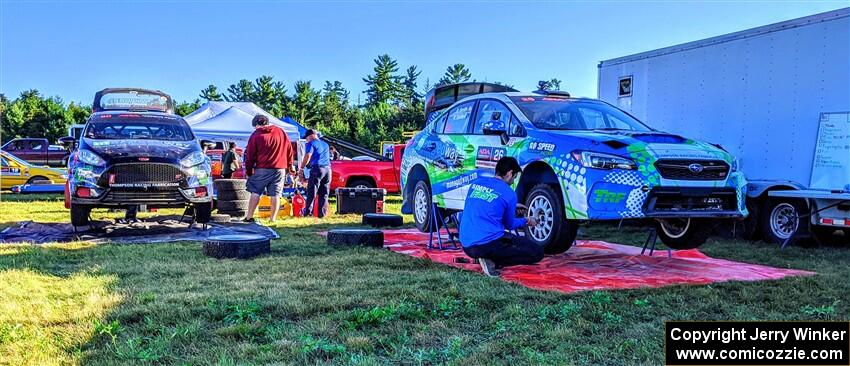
757 188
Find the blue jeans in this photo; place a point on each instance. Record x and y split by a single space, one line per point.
318 188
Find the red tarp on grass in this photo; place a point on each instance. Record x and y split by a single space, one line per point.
597 265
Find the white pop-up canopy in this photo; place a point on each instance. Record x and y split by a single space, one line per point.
231 121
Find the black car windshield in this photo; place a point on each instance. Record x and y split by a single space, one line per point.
553 113
135 127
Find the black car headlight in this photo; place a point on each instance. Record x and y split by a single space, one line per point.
90 158
590 159
193 159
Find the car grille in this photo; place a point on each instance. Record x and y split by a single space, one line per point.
681 169
143 173
691 199
124 196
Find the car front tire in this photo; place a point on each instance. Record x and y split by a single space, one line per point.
553 232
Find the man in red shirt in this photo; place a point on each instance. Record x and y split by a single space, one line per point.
267 157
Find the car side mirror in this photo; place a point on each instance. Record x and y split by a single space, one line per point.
207 144
68 142
496 128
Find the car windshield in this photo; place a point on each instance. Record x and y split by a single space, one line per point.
138 128
552 113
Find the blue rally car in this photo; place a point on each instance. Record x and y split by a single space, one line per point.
582 159
134 153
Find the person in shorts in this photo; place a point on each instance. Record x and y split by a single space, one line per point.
268 155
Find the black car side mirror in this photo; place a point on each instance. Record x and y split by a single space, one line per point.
68 142
207 144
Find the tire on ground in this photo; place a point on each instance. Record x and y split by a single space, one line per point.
356 237
80 214
227 195
240 205
220 218
236 246
380 220
229 185
778 219
684 233
563 232
422 193
234 213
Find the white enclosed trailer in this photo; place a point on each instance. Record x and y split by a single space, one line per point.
768 96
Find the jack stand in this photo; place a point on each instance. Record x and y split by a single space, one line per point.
651 241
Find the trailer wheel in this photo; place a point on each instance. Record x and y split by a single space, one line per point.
781 218
553 232
80 214
422 206
687 233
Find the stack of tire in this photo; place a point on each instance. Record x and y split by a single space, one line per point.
232 198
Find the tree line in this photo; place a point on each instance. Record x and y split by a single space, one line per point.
392 104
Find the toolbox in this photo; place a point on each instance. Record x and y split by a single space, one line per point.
360 200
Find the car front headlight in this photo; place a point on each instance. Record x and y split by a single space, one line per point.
590 159
193 159
90 158
736 165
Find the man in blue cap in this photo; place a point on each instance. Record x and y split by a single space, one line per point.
489 214
317 157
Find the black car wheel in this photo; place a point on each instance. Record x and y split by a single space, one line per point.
360 183
422 206
684 233
553 231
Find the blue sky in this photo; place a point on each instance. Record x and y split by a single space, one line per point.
74 49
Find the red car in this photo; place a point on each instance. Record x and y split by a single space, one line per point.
372 173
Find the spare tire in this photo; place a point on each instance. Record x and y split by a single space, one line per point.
234 213
355 237
240 205
380 219
241 246
220 218
229 184
226 195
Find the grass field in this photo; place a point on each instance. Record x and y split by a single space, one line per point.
310 304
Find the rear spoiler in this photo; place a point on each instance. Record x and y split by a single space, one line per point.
151 100
442 97
342 144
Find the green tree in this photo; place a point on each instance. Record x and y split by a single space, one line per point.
304 105
243 91
269 95
334 110
210 94
410 96
185 108
457 73
384 85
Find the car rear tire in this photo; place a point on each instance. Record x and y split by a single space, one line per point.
781 218
360 183
238 205
37 179
80 214
203 212
684 233
422 206
553 232
229 184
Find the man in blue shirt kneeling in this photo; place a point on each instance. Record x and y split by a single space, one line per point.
489 214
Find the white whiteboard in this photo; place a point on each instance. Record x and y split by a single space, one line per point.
831 165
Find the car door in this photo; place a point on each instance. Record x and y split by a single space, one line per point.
454 158
11 173
490 148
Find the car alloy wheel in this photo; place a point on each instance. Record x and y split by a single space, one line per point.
420 205
784 220
675 228
541 210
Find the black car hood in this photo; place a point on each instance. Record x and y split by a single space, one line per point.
155 149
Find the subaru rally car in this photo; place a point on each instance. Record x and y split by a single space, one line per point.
134 153
582 159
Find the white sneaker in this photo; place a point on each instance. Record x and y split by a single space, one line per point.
489 267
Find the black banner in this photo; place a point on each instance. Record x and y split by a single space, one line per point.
757 343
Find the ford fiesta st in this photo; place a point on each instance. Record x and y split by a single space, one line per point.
134 153
582 159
